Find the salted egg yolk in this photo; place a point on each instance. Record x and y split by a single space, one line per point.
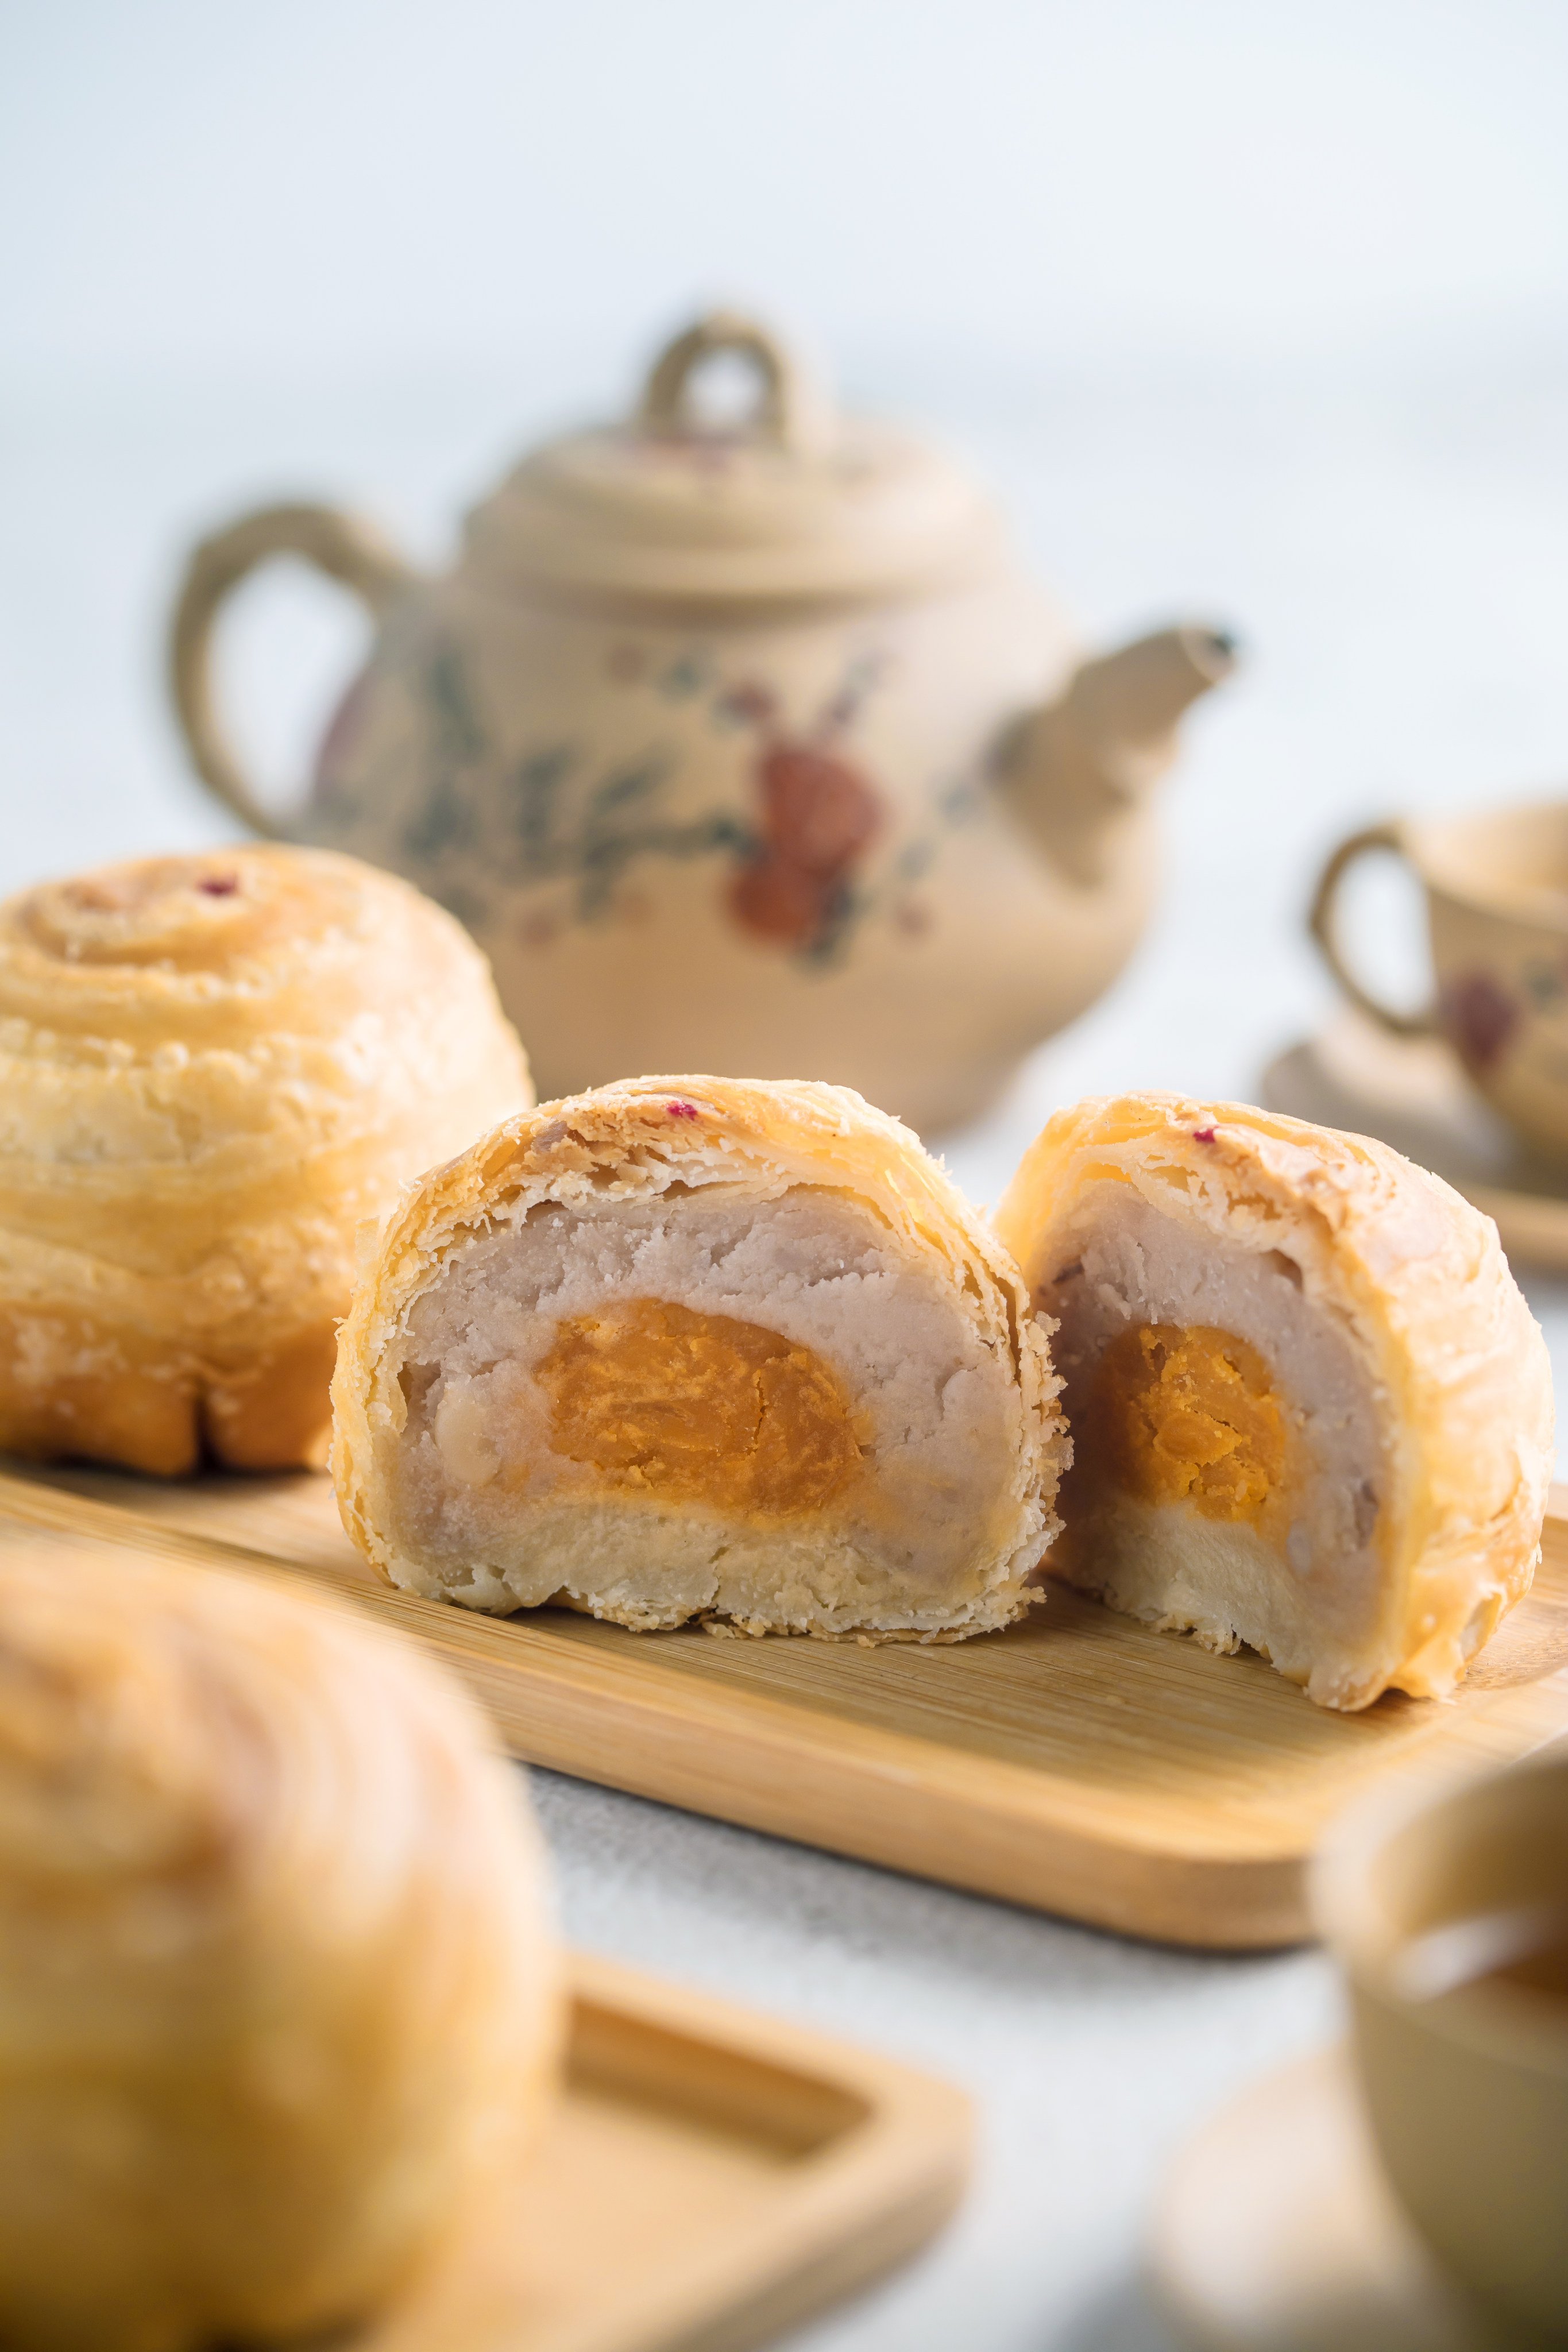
697 1408
1182 1412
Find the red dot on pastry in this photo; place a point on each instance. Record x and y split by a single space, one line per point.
219 885
1203 1135
682 1110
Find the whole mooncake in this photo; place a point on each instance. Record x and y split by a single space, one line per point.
214 1069
1310 1410
695 1348
280 1997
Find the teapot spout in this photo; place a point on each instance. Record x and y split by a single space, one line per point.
1077 769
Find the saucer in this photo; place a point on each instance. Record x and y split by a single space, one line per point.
1275 2232
1411 1093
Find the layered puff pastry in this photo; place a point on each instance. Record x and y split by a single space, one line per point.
212 1070
279 1994
694 1347
1311 1410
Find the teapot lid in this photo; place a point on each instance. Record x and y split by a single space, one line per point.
797 502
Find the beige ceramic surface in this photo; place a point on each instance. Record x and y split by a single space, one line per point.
1276 2231
1078 1763
1466 2092
1497 905
1410 1091
750 750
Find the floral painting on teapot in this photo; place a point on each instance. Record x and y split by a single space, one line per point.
790 856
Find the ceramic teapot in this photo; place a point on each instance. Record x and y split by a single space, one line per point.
741 747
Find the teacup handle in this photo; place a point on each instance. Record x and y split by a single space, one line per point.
793 412
1323 923
346 549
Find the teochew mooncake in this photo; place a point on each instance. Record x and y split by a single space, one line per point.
213 1069
697 1347
279 1994
1311 1410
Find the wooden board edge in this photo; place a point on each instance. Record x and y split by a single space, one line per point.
851 2216
870 2245
888 2084
905 1810
877 1797
979 1824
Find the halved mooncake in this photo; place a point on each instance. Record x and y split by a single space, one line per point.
1311 1410
695 1348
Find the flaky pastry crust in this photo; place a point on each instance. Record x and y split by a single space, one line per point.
214 1069
636 1140
1417 1279
279 1991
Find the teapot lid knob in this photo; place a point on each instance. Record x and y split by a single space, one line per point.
793 503
793 410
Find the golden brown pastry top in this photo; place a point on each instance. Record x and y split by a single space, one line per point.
277 1985
1421 1282
213 1065
226 1011
768 1133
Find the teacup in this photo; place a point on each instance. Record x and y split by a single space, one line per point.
1497 905
1450 1916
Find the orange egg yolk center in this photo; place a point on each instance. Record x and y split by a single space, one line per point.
696 1408
1187 1413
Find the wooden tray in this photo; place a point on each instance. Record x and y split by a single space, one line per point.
1412 1093
710 2179
1078 1763
1277 2232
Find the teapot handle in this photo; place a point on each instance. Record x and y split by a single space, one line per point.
793 411
343 547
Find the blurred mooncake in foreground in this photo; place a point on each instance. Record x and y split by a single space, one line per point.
213 1069
1310 1410
278 1988
698 1347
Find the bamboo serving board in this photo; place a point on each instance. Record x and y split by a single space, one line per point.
1077 1763
710 2178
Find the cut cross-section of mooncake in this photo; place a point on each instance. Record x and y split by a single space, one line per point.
695 1348
1311 1410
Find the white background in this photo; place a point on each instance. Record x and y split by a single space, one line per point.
1252 309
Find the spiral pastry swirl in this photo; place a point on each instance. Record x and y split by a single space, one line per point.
214 1070
277 1987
